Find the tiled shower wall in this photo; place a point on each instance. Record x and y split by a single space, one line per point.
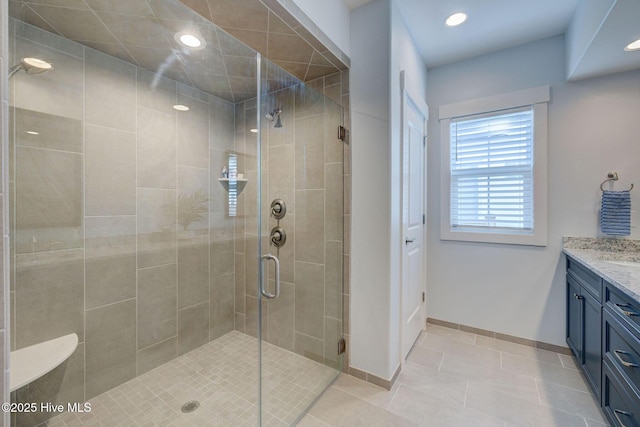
303 164
101 201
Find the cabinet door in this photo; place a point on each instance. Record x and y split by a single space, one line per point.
592 341
574 318
620 404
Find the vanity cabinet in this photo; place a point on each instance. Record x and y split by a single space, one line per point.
621 357
584 321
603 332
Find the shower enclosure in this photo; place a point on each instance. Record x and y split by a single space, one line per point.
177 203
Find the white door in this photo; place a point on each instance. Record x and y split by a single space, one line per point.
413 271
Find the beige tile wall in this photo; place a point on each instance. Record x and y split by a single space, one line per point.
336 88
102 202
306 165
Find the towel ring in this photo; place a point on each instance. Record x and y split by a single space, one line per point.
612 176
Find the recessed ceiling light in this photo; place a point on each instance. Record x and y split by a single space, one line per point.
633 46
456 19
180 107
253 130
33 132
190 40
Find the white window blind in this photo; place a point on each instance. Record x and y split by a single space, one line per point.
492 175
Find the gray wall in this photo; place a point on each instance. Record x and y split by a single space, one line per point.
593 128
98 241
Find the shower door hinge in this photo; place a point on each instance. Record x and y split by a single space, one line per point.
424 219
342 346
342 133
424 297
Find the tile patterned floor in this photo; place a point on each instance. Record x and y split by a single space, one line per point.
222 376
451 379
457 379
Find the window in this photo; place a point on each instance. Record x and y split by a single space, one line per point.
494 179
492 172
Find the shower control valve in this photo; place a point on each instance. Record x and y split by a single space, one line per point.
278 209
278 237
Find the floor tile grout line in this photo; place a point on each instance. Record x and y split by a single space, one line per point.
535 381
466 394
345 390
537 360
567 412
395 393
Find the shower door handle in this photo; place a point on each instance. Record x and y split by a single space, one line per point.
263 289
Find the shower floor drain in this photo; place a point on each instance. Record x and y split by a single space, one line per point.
190 406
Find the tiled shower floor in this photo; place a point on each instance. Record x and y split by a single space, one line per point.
222 376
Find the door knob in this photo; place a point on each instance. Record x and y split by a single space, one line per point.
409 240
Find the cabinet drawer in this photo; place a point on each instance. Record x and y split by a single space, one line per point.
621 406
587 278
622 349
626 308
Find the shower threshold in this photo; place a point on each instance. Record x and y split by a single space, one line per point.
222 376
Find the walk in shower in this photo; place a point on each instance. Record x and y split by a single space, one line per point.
176 202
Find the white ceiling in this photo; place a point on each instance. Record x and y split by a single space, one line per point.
600 29
352 4
492 25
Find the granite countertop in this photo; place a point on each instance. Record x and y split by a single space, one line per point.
596 255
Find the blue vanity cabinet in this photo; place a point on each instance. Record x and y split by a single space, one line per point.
621 355
592 345
584 321
620 405
574 318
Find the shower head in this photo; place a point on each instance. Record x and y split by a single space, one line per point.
273 114
31 66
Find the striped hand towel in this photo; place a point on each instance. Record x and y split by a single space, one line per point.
615 215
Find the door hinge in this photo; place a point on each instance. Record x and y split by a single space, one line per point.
424 141
424 219
424 297
342 133
342 346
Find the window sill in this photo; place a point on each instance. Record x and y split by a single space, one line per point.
537 239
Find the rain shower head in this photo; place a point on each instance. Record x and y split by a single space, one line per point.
31 66
275 114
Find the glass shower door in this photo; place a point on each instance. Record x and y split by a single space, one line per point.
142 182
301 245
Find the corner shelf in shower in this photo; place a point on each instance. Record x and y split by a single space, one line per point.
30 363
240 183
